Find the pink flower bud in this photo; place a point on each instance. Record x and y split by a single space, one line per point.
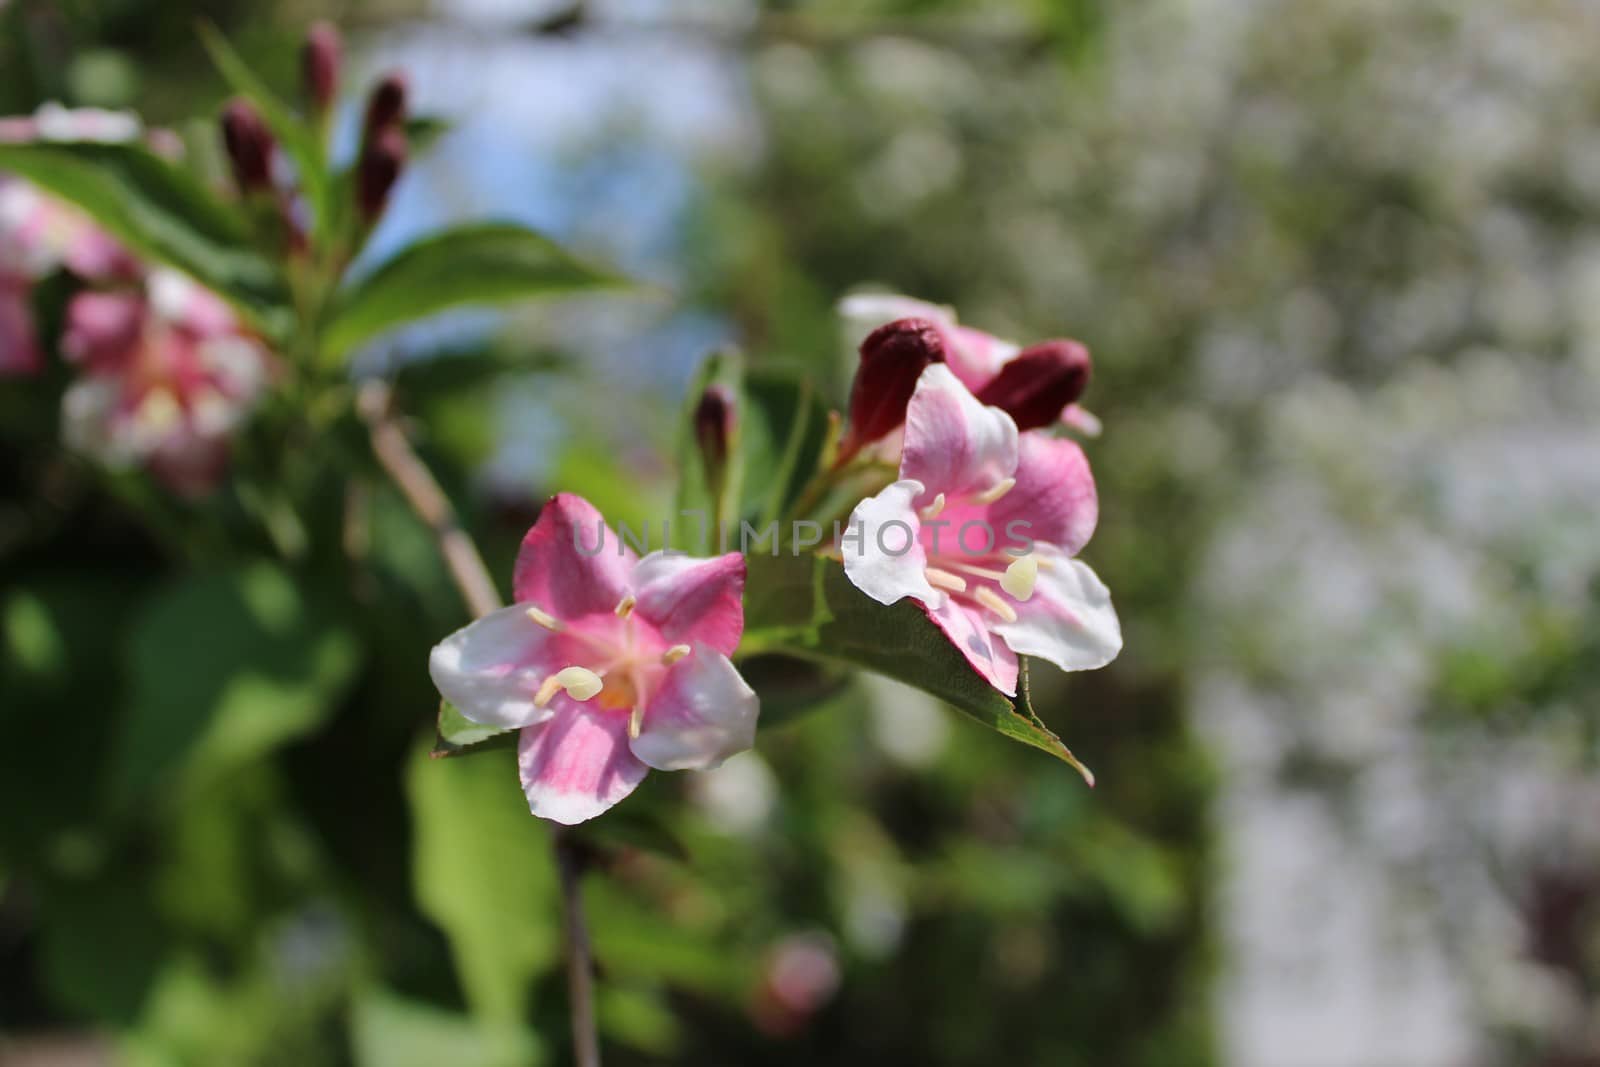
320 62
893 357
1035 386
386 107
380 167
248 144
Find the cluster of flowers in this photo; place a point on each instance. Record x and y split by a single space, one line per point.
610 664
164 371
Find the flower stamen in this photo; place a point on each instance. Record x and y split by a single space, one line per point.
580 683
674 654
995 491
635 722
1020 577
545 619
932 510
625 606
991 600
943 579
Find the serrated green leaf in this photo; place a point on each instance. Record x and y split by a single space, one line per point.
806 606
489 263
161 213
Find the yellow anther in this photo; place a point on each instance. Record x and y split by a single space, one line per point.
996 491
933 509
942 579
544 618
674 654
991 600
635 722
1019 578
580 683
625 605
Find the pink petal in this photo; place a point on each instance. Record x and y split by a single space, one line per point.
1069 620
976 357
689 600
103 330
955 445
571 564
703 713
1054 500
967 629
492 668
880 527
577 764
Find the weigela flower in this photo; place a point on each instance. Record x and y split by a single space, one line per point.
609 664
981 530
1023 381
892 360
166 377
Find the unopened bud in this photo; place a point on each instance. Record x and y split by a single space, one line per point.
893 357
386 107
1038 384
713 430
319 62
377 172
248 144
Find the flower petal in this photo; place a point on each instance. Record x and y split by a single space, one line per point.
873 561
691 600
491 669
703 713
865 312
571 563
577 764
976 357
966 627
955 445
1069 620
1054 500
19 349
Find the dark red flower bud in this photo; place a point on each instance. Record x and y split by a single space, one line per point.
386 107
713 428
1043 379
377 172
248 144
319 64
893 357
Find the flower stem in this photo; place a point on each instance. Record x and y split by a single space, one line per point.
421 491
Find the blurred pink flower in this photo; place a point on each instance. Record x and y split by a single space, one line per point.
166 376
19 348
977 358
609 664
801 974
980 530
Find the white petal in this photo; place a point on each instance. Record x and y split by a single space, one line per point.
1069 620
880 526
491 669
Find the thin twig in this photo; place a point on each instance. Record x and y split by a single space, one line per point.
421 490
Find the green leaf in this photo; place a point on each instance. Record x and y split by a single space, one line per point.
296 137
793 424
483 264
806 606
389 1031
482 870
458 735
224 668
161 213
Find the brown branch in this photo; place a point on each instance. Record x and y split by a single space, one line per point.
421 490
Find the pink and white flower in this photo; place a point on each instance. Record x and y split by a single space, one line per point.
166 377
981 529
977 358
609 664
